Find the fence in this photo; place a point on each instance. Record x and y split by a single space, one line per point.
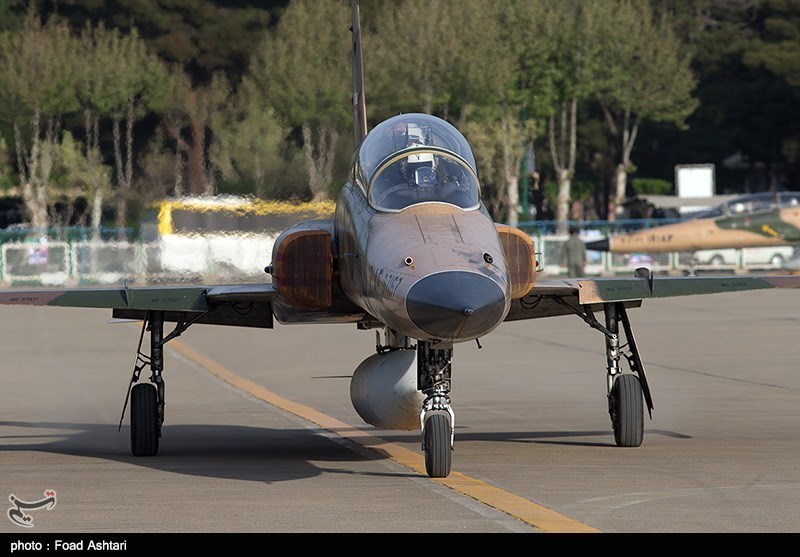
172 259
72 257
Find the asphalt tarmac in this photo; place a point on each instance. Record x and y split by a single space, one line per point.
260 434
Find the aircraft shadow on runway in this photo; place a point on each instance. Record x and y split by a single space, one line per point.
217 451
543 437
253 453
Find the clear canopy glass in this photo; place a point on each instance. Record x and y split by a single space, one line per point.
753 203
417 158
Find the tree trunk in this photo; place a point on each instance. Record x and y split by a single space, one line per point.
92 125
563 147
620 184
122 183
629 133
511 164
33 180
196 160
562 205
319 159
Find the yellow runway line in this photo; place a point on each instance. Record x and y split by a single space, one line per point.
527 511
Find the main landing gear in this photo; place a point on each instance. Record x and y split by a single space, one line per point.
625 390
437 418
147 399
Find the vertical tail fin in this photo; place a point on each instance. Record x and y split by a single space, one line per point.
359 100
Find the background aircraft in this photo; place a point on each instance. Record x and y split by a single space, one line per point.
760 219
414 253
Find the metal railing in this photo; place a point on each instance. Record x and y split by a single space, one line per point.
77 256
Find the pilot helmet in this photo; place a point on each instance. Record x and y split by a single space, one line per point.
419 166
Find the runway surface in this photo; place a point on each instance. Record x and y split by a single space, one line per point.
260 435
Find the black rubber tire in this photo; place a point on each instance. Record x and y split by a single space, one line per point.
144 420
438 451
627 411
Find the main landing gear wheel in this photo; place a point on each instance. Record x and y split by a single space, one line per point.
438 449
144 420
627 411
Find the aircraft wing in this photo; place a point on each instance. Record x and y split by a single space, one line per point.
248 305
167 298
550 297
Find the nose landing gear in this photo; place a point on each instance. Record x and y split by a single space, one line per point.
437 418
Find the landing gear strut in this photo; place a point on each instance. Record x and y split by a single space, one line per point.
147 400
437 418
625 390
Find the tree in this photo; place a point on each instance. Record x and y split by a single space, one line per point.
777 50
575 29
39 77
100 95
413 53
475 63
202 36
491 91
247 140
746 118
192 108
141 86
649 78
303 68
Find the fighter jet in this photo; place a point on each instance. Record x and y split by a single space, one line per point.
761 219
413 253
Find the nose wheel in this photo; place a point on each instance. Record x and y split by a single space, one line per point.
437 445
437 417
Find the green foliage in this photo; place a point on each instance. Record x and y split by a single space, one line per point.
649 74
40 70
486 145
476 63
7 180
73 175
550 191
581 190
778 47
12 13
118 69
303 67
651 186
247 142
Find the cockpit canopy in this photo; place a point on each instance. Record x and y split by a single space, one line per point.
416 158
753 203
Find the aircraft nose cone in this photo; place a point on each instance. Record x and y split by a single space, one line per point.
598 245
456 305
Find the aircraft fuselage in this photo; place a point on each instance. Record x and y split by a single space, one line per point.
754 220
432 271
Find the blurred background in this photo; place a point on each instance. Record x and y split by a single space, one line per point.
173 140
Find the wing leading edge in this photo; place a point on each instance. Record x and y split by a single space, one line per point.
196 299
244 305
550 297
